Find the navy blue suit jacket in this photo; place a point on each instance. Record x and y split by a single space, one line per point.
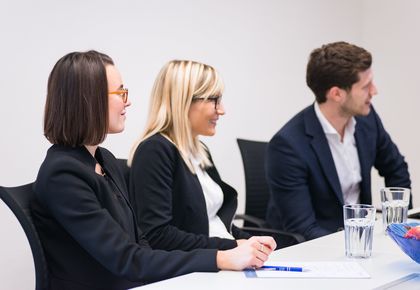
306 195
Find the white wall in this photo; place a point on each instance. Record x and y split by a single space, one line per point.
260 48
390 30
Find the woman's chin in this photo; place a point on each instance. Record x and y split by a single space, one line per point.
115 130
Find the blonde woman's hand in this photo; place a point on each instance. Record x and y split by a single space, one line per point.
269 244
240 242
249 253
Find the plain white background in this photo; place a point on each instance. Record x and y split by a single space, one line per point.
260 47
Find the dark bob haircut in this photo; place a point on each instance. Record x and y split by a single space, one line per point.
335 64
76 109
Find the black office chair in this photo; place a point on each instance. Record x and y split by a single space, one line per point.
258 194
18 199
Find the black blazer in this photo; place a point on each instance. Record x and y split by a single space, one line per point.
306 192
169 200
88 229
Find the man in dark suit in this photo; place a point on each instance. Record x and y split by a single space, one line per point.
322 158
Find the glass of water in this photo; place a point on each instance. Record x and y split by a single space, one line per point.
394 205
358 229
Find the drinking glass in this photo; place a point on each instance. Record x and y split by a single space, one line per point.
394 205
358 229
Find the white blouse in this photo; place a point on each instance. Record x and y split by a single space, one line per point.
213 195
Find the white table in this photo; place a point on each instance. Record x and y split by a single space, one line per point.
387 263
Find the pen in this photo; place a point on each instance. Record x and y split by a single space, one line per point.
282 268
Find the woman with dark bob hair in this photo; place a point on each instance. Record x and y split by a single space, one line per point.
85 221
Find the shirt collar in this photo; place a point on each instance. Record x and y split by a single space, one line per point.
328 128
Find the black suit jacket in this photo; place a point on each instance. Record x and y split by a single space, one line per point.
306 193
88 229
169 200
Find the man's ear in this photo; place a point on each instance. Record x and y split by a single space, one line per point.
335 94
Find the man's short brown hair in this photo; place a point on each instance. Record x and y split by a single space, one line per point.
76 109
335 64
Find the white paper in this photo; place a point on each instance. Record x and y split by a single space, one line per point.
315 270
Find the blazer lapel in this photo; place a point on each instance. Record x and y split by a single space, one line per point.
322 150
363 144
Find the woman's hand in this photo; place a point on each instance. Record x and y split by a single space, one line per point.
249 253
240 242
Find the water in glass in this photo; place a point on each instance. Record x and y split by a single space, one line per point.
358 236
394 211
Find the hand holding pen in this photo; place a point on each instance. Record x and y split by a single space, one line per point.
253 252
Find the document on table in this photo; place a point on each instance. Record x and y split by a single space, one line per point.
322 269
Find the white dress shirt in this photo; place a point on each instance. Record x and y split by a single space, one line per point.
213 195
345 155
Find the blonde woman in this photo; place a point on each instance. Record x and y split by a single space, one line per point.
180 200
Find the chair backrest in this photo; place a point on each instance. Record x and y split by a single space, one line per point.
257 192
18 199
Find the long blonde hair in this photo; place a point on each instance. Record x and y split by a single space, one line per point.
173 91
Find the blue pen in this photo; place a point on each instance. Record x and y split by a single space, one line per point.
282 268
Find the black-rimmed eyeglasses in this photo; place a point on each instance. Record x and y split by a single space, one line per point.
217 100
